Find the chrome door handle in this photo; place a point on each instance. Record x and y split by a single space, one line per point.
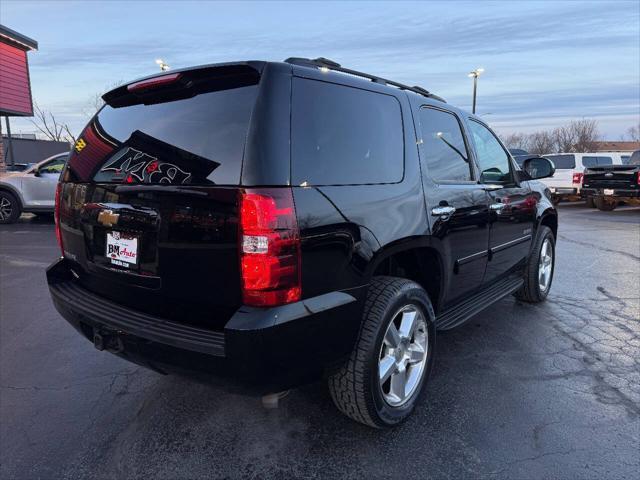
496 207
443 211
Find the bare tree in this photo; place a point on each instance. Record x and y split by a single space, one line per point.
95 102
51 128
541 142
634 133
586 135
563 139
516 140
577 136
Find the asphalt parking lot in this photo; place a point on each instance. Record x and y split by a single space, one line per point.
521 391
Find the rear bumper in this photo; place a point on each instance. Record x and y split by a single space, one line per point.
564 191
259 350
615 192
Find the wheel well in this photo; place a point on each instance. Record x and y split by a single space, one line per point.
4 188
551 221
421 265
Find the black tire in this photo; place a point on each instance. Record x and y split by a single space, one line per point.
605 205
531 291
10 208
590 203
355 387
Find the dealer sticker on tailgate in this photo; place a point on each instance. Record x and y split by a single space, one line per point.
122 249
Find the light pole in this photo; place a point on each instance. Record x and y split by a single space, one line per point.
162 64
475 74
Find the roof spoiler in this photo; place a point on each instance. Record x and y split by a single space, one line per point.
185 83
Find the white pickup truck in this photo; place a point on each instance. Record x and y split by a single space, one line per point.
567 181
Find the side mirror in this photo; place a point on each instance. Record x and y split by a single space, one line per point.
36 173
538 167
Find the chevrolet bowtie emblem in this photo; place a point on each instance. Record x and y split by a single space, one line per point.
108 218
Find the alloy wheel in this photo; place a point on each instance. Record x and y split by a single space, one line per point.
5 208
403 356
545 265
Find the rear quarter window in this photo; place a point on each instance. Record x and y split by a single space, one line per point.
344 136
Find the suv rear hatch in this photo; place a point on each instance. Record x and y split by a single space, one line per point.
148 208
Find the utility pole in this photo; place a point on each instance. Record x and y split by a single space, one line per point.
475 74
9 143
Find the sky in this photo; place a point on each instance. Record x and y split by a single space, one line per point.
546 62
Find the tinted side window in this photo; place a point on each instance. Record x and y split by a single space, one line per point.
492 159
446 154
625 159
54 166
563 162
592 161
343 135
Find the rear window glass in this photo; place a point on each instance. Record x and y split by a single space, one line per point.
344 136
625 159
195 140
563 161
593 161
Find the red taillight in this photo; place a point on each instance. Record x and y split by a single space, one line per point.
577 177
56 214
153 82
269 247
638 178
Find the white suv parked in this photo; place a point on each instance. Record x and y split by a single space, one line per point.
32 190
567 181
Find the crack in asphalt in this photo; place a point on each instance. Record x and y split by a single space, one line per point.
83 381
21 262
604 357
531 459
600 247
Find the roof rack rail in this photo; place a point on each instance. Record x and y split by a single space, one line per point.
325 63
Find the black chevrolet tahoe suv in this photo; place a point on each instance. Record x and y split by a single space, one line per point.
268 224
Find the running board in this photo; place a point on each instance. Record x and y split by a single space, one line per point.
463 311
